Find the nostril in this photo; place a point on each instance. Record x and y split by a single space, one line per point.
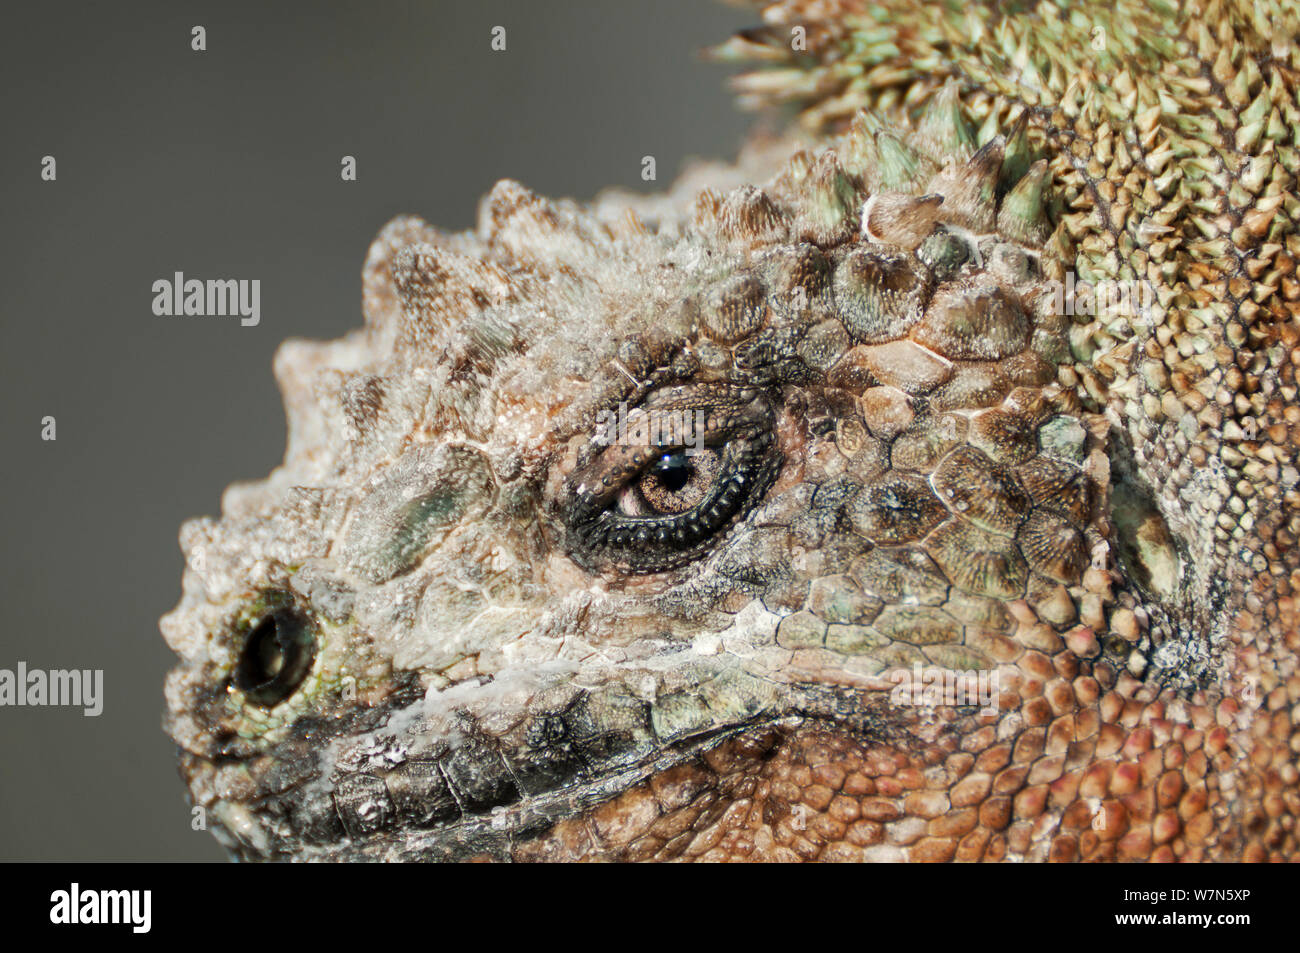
277 654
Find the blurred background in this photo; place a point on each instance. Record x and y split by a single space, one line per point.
226 163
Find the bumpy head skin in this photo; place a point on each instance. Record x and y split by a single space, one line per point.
614 530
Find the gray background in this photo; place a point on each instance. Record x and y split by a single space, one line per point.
226 164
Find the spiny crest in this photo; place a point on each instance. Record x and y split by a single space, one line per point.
542 291
891 186
889 56
439 288
1169 133
524 229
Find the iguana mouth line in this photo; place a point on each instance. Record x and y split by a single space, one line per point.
392 835
476 798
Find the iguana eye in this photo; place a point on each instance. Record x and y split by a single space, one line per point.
654 502
276 657
675 483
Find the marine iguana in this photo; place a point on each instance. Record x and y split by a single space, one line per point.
949 513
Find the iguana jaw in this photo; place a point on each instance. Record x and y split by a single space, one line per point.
271 828
401 782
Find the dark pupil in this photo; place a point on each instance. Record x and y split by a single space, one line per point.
276 657
674 470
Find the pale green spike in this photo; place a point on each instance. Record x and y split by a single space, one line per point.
985 166
1248 137
1277 130
1238 197
1258 110
831 197
900 166
944 131
1256 173
1023 216
991 127
1019 156
859 154
1238 89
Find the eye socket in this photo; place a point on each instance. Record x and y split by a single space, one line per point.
651 504
277 655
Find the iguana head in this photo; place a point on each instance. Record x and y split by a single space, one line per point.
617 530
